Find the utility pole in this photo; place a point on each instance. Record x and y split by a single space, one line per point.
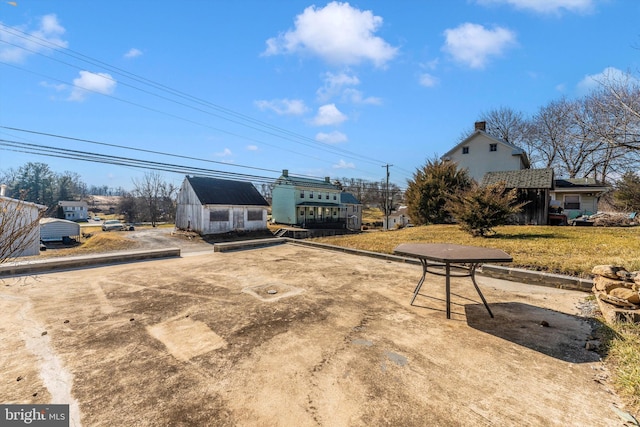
386 198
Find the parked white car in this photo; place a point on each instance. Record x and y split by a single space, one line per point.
112 224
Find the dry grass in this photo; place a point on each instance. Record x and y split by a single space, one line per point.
99 242
624 356
563 250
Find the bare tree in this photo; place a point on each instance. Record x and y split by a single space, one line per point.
506 124
19 227
156 196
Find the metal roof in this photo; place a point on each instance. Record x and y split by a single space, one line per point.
214 191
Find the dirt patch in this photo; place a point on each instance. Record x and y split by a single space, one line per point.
181 342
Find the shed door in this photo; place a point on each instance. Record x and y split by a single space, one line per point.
238 219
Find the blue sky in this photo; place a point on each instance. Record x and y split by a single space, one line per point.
321 89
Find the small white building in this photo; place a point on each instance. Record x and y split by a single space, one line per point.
215 206
55 229
397 219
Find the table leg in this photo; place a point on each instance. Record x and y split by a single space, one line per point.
419 285
473 279
448 288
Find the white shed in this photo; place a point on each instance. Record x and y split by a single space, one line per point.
215 206
55 229
18 227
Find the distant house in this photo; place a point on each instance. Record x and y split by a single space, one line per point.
73 211
215 206
313 203
56 230
578 196
397 219
19 231
481 153
534 187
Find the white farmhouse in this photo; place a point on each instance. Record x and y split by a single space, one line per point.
481 153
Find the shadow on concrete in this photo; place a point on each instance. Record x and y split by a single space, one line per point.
564 338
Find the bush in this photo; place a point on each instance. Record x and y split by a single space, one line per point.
480 209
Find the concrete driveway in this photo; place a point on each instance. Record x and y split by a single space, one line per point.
290 335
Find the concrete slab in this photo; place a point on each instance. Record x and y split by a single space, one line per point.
348 350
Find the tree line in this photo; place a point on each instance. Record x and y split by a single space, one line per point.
151 200
593 136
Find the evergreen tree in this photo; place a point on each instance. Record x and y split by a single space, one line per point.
430 189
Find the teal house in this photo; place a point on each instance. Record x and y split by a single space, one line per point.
313 203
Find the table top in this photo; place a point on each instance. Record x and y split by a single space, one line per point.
447 253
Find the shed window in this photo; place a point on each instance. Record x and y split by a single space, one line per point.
572 202
219 215
465 150
254 215
493 147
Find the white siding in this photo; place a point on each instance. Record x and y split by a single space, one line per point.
480 159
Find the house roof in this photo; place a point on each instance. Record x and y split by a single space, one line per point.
578 182
516 151
523 178
573 185
213 191
349 198
306 182
72 203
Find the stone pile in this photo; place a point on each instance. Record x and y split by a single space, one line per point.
617 286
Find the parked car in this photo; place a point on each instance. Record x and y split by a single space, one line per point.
97 218
112 224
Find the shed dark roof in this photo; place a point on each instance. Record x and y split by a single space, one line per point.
524 178
213 191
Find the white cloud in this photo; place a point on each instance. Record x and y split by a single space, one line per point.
252 148
608 75
334 137
133 53
356 97
339 85
427 80
328 115
337 33
17 43
224 153
288 107
473 44
88 82
334 84
546 6
344 165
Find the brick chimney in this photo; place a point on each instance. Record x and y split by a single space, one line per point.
327 179
3 187
481 126
285 172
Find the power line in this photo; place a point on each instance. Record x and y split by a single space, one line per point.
246 121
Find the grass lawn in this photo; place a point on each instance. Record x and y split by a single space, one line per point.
563 250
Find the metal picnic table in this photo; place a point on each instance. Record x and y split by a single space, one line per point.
452 257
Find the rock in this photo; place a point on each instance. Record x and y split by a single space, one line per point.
544 323
619 302
605 284
626 294
609 271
